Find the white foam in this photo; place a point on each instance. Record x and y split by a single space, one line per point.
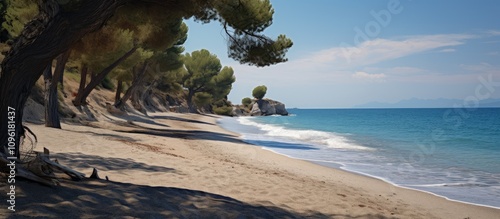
328 139
460 184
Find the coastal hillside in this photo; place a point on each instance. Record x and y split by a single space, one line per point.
100 102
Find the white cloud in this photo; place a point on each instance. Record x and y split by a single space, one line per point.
405 70
379 50
481 67
492 42
493 32
448 50
396 71
373 77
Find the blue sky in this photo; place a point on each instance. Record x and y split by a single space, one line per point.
348 53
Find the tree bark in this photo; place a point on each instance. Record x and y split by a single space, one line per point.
83 80
119 90
51 101
81 97
135 99
138 80
59 71
41 41
147 96
192 108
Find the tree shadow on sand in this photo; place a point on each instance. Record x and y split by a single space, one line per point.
104 199
179 119
214 136
189 134
111 136
79 160
133 119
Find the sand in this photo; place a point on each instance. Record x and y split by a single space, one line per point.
185 166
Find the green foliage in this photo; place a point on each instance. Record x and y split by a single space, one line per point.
259 50
246 101
223 83
244 21
124 71
204 73
224 110
17 14
201 99
222 107
246 15
169 65
221 103
158 36
99 49
107 84
153 27
201 68
259 92
171 81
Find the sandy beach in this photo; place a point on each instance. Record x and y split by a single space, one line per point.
184 166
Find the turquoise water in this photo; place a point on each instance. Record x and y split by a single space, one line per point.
453 153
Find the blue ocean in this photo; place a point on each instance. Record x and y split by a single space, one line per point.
453 153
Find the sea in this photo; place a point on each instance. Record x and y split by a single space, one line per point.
453 153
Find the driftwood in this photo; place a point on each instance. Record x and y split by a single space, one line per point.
75 175
42 170
27 174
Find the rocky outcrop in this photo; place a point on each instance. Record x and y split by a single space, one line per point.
237 111
280 109
267 107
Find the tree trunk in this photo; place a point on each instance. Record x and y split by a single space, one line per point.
138 80
50 100
119 90
80 98
59 71
147 97
41 41
83 81
135 99
192 108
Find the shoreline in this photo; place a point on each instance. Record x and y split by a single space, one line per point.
358 173
341 167
318 162
166 156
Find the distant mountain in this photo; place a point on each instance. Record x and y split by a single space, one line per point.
428 103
